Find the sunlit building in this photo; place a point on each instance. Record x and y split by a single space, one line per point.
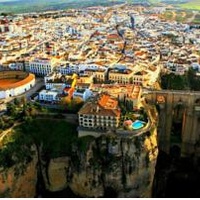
123 76
41 66
102 112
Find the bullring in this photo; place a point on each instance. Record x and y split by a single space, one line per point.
14 83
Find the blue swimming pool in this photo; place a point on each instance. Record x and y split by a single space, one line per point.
138 124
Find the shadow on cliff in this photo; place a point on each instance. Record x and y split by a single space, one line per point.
61 194
110 193
176 177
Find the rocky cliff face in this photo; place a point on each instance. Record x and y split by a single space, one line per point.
19 180
110 166
125 166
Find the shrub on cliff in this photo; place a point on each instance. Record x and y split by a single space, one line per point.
55 137
15 149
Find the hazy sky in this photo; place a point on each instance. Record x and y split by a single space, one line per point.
7 0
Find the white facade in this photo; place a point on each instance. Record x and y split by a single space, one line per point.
16 91
41 66
16 66
83 94
56 86
64 70
46 95
76 68
50 82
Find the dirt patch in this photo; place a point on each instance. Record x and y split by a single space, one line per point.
4 83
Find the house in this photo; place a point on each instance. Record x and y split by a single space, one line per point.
101 112
138 78
46 95
55 81
84 94
123 76
98 74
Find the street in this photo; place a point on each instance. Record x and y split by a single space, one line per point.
39 82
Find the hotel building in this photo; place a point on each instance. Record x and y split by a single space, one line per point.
102 112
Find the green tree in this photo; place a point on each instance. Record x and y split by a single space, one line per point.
11 109
175 82
193 79
16 101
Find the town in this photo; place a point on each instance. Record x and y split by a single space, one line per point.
104 57
93 99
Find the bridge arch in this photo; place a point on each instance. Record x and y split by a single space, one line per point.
181 111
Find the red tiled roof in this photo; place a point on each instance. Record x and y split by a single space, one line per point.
113 36
103 106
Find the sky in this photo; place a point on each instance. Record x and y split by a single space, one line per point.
7 0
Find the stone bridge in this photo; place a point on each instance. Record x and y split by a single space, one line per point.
182 108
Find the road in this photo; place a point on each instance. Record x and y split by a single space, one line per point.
4 133
39 82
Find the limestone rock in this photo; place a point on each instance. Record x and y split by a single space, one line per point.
20 180
124 165
57 174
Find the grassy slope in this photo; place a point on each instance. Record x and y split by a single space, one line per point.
154 1
55 136
194 4
42 5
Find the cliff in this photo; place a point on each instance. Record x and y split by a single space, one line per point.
19 180
110 166
125 166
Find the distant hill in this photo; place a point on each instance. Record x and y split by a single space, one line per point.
18 6
21 6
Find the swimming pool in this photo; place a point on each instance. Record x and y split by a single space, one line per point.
138 124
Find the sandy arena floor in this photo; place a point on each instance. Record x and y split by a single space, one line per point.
7 82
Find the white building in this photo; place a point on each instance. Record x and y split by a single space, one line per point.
64 70
84 94
41 66
78 68
54 81
16 66
138 78
46 95
68 69
19 87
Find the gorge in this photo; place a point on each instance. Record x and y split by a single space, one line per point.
107 166
125 165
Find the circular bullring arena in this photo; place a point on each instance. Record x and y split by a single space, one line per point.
13 83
